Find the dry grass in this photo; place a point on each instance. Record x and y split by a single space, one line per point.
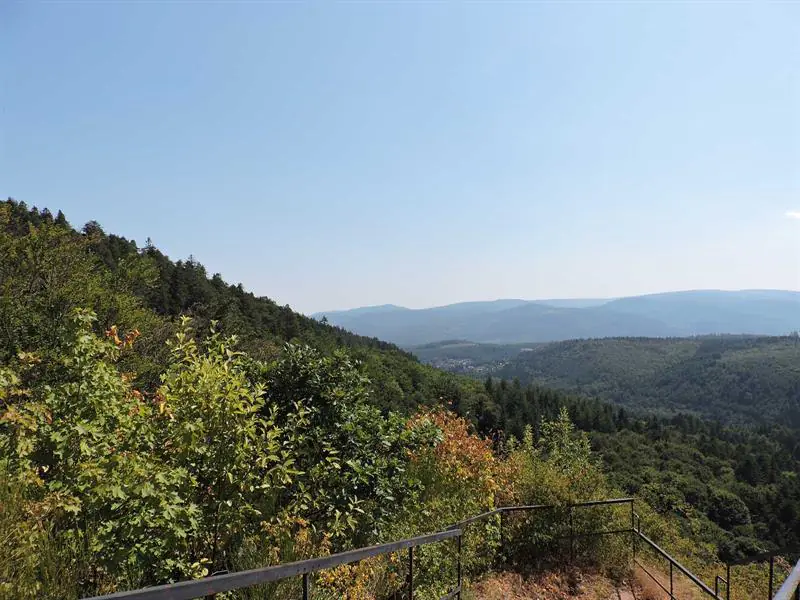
574 585
548 586
647 589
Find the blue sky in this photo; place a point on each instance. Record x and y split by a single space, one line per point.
335 155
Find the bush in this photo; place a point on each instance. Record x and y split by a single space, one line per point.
558 470
728 510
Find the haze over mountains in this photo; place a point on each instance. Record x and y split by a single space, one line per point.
672 314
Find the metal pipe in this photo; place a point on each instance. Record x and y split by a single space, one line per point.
771 575
728 582
717 581
790 586
411 573
671 595
653 577
633 532
231 581
484 515
571 536
694 579
554 506
458 595
502 541
197 588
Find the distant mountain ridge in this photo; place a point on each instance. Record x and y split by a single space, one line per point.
669 314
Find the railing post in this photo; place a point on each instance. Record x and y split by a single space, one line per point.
305 586
458 593
633 534
502 541
728 582
633 517
771 575
411 573
671 596
571 535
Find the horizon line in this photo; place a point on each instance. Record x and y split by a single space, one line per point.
552 299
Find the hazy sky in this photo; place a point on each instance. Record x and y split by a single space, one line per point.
334 155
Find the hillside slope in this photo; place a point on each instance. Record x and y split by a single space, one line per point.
114 275
745 380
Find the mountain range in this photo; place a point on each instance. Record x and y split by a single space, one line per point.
671 314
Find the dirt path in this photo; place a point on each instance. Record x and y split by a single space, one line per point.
551 586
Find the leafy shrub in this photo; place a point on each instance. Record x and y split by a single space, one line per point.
351 459
84 450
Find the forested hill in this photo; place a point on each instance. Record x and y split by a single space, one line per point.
108 273
743 380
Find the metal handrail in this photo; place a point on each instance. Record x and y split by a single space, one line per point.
791 587
470 520
719 579
790 590
186 590
523 507
209 586
769 556
674 563
764 556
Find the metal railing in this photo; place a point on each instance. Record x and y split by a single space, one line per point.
791 586
207 587
197 588
573 536
637 537
216 584
673 565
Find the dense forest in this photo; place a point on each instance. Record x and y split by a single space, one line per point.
735 379
734 487
157 423
734 484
